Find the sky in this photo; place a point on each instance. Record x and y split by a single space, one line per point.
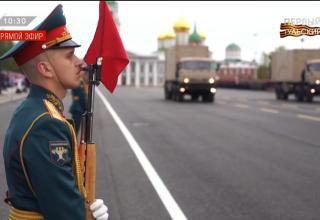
254 26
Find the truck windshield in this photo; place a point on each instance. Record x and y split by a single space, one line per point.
196 65
314 67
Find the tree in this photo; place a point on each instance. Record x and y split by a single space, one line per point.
263 71
8 64
280 48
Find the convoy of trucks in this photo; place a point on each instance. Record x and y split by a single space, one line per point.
296 72
189 71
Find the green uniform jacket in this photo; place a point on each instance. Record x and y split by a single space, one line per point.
78 106
40 159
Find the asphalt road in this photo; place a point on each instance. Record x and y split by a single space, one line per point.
246 156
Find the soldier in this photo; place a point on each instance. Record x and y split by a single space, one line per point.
78 106
40 147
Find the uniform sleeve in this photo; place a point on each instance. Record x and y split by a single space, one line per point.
47 154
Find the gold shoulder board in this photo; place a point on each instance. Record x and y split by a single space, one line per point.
54 113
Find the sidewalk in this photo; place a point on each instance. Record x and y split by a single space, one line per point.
10 94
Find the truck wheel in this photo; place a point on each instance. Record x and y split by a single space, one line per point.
299 94
207 98
279 92
179 97
194 97
285 96
167 95
278 95
309 97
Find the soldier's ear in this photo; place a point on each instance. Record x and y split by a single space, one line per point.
45 69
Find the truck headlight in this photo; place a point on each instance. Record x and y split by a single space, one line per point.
211 80
182 89
317 81
186 80
213 90
312 91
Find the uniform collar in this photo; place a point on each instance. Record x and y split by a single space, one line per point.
40 92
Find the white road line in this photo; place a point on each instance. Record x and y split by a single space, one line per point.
289 106
164 194
269 110
263 102
241 106
241 99
309 117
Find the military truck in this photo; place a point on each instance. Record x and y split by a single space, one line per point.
189 71
296 72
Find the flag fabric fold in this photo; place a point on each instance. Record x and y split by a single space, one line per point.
107 44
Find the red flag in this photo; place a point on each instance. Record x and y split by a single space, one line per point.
108 45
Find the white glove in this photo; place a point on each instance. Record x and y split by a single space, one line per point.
99 210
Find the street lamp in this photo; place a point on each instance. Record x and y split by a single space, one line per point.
302 40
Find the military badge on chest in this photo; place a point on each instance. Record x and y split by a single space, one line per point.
59 152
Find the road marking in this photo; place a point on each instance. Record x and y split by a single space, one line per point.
289 106
241 106
164 194
263 102
269 110
241 99
309 117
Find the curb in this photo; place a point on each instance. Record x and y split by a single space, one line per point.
11 97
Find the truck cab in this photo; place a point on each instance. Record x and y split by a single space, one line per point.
195 76
312 74
296 72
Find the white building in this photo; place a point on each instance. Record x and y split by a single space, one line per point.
143 70
234 71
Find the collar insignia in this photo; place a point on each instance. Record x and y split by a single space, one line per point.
55 101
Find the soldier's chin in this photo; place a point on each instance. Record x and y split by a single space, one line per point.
75 85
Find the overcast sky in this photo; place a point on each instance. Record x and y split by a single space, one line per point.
254 26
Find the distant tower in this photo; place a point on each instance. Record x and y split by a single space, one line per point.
233 52
195 38
166 40
113 5
181 28
161 39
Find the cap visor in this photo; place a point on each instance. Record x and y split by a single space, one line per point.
68 43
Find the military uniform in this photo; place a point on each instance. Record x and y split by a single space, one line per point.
40 148
78 106
41 160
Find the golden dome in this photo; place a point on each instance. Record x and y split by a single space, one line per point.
181 25
203 36
171 35
167 36
162 36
